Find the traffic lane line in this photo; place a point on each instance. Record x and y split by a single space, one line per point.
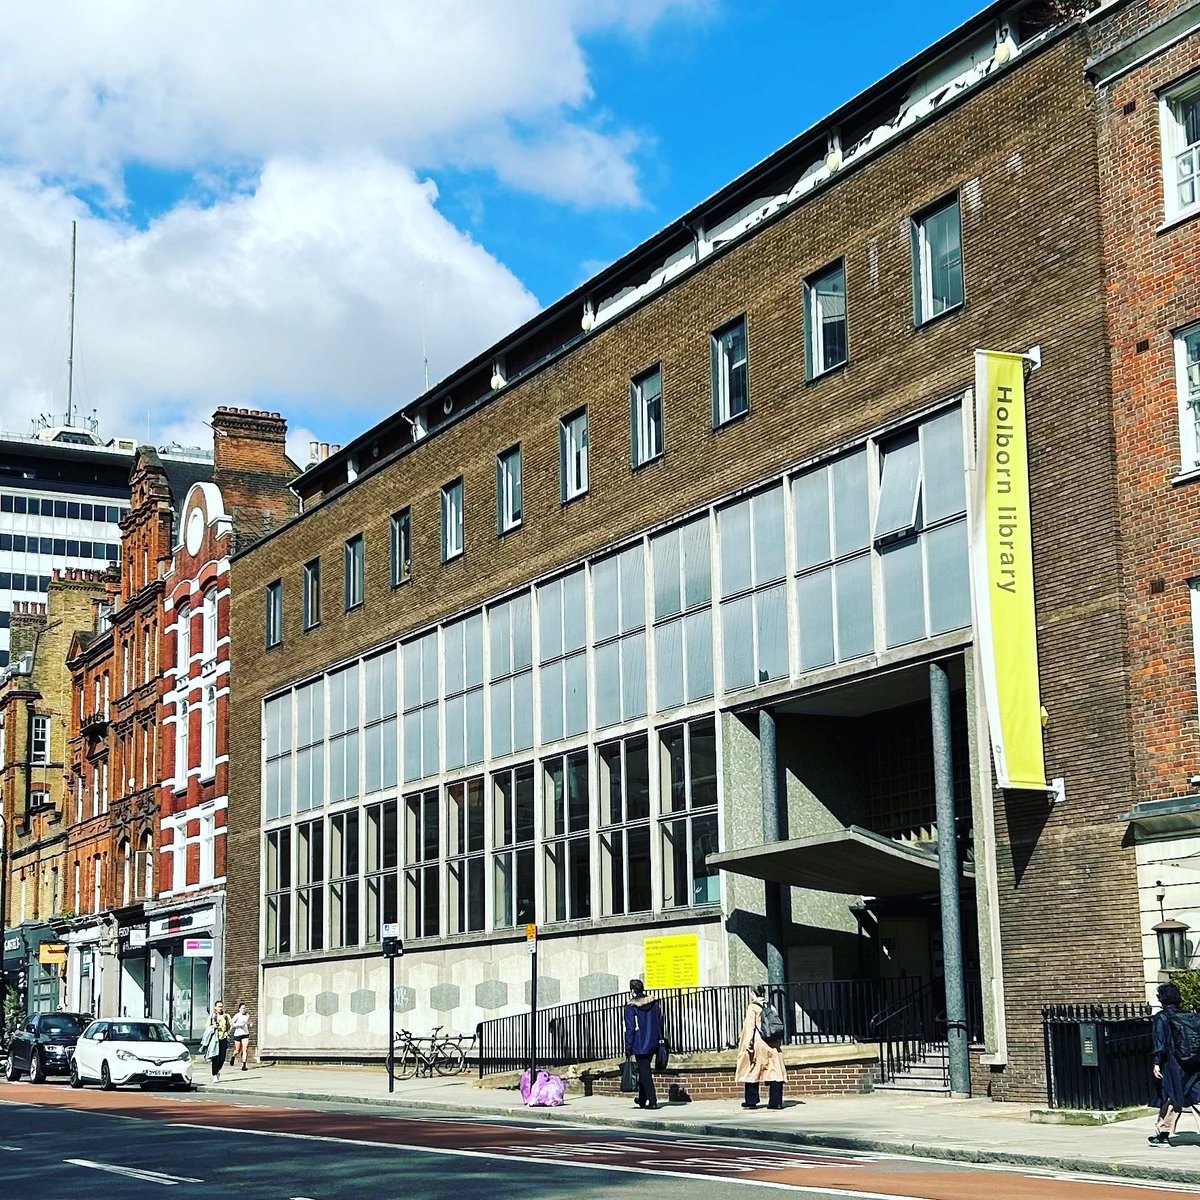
141 1173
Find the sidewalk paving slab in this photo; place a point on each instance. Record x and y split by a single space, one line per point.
969 1131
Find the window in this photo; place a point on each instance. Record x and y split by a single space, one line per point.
182 721
354 571
422 876
688 821
936 261
209 631
625 826
1187 374
645 416
310 585
277 769
1180 119
510 627
381 869
508 490
208 732
381 736
921 531
208 849
573 455
683 632
40 750
343 733
462 654
421 707
274 617
400 547
730 382
566 820
343 879
310 885
833 561
310 746
464 848
753 592
512 836
452 520
183 638
619 628
278 889
825 320
563 676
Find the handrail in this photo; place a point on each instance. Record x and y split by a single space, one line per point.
908 1002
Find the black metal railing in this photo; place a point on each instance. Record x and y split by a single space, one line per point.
1097 1055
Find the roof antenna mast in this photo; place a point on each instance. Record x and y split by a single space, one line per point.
71 340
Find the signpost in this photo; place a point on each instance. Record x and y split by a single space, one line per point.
531 939
672 962
393 948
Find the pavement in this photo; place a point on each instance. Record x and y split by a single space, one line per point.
934 1127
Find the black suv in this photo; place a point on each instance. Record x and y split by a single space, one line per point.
44 1045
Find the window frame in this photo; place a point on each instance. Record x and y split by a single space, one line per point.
513 857
354 567
400 539
814 339
39 754
509 488
310 585
1174 148
671 817
574 482
273 624
722 371
1189 416
617 831
641 450
453 520
921 260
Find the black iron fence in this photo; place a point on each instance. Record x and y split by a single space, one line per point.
1097 1055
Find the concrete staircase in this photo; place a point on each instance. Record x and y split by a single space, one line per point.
928 1075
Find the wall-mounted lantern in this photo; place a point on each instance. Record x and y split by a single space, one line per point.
1171 934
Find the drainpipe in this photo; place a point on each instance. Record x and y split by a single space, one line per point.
769 762
952 959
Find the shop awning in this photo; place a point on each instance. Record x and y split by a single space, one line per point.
853 860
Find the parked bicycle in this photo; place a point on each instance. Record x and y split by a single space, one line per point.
444 1054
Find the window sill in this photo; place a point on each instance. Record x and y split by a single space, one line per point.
354 607
1178 219
949 312
449 558
731 420
840 369
648 462
1191 475
274 645
310 628
573 498
399 583
513 528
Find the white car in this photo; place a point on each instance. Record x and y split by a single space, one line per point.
121 1050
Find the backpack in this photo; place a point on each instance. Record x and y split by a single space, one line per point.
770 1025
1185 1038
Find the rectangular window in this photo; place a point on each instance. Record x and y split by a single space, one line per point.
40 750
645 416
683 630
182 722
563 666
1187 389
619 633
625 826
421 707
208 633
754 634
462 655
310 885
573 455
382 862
277 766
422 874
274 614
208 732
936 261
343 733
400 547
688 815
512 837
310 746
353 558
452 520
566 821
508 490
825 320
278 889
510 680
343 879
730 372
1180 121
311 593
380 732
464 849
208 854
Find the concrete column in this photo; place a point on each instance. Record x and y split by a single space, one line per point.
774 910
943 779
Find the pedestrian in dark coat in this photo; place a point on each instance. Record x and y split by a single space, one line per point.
1179 1086
643 1032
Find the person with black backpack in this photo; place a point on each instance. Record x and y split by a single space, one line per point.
1175 1037
760 1057
643 1036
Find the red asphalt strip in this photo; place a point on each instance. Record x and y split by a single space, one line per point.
653 1151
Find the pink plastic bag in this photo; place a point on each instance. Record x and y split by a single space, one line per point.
547 1092
525 1085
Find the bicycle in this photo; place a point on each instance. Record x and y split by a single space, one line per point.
410 1056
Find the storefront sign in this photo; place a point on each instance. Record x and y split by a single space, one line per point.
52 953
14 946
1002 572
200 918
137 937
672 962
197 947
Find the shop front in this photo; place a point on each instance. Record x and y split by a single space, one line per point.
134 987
184 965
14 964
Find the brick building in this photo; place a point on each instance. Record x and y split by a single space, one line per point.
1145 65
547 638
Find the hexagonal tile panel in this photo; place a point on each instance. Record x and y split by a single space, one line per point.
362 1001
549 991
326 1003
598 983
404 999
491 993
293 1005
444 997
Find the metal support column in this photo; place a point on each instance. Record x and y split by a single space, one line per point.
769 760
952 958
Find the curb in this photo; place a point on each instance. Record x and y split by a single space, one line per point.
1083 1166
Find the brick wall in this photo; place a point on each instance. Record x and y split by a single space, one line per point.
834 1079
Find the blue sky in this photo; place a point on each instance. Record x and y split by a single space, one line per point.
274 195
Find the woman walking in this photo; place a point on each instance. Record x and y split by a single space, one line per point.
758 1061
1178 1086
214 1045
239 1027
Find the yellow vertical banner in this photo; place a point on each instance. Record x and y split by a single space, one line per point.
1002 572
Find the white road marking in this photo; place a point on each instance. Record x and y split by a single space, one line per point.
133 1172
10 1147
854 1194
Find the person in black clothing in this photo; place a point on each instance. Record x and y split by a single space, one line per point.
1179 1086
643 1032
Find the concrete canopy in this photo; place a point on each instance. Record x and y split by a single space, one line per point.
853 860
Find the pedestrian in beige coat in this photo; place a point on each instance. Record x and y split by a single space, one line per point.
758 1062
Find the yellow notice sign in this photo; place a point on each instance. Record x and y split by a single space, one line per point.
1002 572
672 962
52 953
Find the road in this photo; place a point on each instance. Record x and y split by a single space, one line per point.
59 1144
